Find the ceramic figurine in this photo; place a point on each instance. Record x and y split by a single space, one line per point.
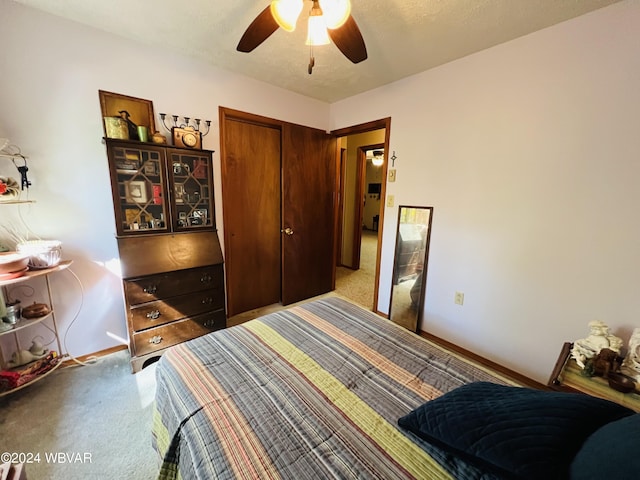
599 338
22 357
632 360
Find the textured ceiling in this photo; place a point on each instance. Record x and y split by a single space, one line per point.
403 37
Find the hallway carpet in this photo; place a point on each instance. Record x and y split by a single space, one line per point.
358 285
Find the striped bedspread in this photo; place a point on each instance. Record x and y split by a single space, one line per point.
311 392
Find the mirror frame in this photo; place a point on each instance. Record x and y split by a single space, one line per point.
423 287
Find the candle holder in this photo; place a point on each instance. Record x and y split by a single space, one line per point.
185 133
186 123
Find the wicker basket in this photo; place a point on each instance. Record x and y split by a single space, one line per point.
42 253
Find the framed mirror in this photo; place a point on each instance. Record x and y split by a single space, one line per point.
410 266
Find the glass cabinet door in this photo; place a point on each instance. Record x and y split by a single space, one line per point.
191 177
139 178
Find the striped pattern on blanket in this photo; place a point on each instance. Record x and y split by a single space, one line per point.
311 392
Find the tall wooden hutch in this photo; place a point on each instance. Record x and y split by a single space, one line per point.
170 255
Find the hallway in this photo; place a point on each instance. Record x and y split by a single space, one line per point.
358 285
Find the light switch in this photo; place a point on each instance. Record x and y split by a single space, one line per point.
390 200
392 175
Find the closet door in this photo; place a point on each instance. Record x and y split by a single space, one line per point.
252 204
308 212
278 191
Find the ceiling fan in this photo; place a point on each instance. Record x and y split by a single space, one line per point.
327 19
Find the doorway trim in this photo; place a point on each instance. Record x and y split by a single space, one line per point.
341 173
358 218
363 128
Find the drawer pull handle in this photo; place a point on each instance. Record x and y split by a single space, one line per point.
210 323
207 301
151 289
155 339
153 315
206 278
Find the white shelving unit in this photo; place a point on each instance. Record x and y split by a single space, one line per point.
26 323
23 323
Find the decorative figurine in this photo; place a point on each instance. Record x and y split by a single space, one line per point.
132 127
157 137
599 338
603 363
632 360
22 357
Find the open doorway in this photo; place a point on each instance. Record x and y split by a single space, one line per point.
363 170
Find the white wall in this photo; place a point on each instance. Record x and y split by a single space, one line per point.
50 73
530 154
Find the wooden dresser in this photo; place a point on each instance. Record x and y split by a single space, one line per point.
174 291
169 308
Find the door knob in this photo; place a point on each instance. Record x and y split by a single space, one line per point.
287 231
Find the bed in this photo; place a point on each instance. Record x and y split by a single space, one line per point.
329 390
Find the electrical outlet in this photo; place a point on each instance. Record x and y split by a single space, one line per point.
459 298
392 175
390 200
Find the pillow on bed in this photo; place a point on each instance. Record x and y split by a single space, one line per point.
612 451
513 431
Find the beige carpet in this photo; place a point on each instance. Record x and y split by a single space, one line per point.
358 285
84 423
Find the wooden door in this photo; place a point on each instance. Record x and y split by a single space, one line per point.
309 211
252 205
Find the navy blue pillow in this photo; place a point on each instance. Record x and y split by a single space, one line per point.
515 432
610 452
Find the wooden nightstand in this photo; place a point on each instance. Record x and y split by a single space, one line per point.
567 376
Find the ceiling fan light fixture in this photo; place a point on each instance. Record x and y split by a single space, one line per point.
317 30
336 12
378 158
286 13
344 31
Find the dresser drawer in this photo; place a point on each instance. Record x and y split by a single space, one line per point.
157 338
153 314
164 285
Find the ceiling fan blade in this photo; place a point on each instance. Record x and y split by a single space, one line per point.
349 41
259 30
